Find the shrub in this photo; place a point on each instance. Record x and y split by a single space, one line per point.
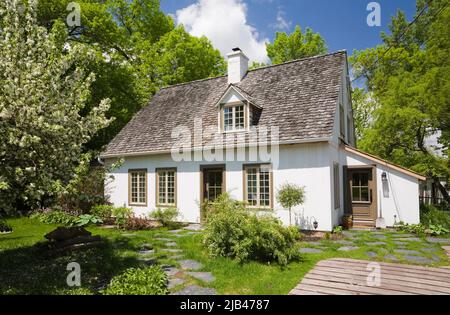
289 196
338 230
233 232
136 224
430 215
102 211
148 281
4 227
165 216
55 217
87 219
411 228
121 215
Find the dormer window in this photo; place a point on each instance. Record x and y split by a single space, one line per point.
234 118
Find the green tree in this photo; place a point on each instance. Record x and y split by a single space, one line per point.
290 196
409 78
44 90
179 57
138 51
363 108
295 46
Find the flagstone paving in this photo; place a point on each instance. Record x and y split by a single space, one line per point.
307 250
190 264
438 240
195 290
348 248
388 245
182 273
203 276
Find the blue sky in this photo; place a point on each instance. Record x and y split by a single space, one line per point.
341 22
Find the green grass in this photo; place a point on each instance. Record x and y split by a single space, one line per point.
28 270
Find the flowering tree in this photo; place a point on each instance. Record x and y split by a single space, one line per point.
44 122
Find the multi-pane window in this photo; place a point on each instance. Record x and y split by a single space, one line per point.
336 185
258 186
234 118
166 187
360 187
138 187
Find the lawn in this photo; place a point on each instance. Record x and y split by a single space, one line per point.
27 270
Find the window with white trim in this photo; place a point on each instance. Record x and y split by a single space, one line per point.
258 186
166 187
137 187
234 118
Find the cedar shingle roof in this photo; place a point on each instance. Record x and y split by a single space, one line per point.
300 97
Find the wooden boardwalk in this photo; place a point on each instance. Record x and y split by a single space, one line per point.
350 277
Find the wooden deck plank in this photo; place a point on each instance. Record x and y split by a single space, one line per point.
388 276
350 269
312 290
402 286
387 268
350 287
343 276
395 265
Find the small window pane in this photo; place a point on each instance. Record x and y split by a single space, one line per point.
228 118
239 117
365 194
356 195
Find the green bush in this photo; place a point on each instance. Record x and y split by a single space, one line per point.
411 228
102 211
87 219
232 231
148 281
4 227
139 224
430 215
55 217
121 215
165 216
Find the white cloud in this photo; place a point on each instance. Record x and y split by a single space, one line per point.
282 24
224 22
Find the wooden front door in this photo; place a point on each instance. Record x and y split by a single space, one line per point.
213 182
363 195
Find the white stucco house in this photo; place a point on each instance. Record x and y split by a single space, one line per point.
248 133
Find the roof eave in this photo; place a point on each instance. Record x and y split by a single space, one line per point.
158 152
379 160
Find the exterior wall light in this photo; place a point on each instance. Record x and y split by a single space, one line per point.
385 182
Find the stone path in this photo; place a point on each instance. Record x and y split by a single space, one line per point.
178 276
388 245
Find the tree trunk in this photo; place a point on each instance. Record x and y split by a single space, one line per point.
442 189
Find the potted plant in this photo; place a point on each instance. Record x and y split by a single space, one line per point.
347 221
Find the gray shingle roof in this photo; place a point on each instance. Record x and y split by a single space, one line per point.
300 97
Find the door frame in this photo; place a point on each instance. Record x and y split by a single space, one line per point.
205 168
348 200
